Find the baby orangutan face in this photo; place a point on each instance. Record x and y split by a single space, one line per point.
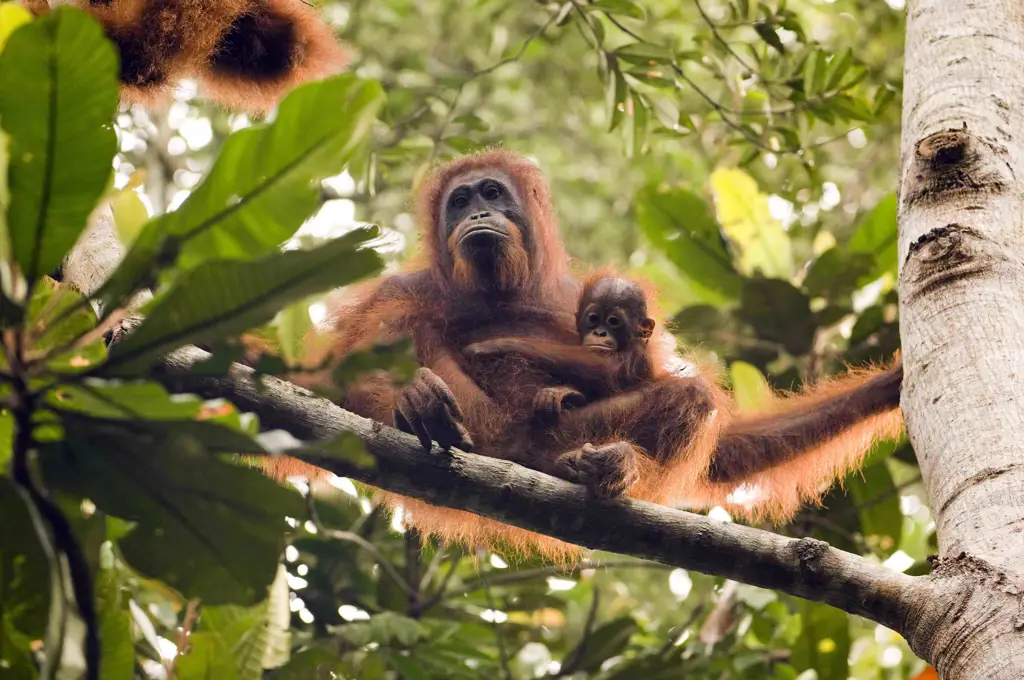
612 315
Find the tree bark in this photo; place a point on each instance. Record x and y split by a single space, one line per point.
962 320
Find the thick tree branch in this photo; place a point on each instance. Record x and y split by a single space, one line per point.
535 501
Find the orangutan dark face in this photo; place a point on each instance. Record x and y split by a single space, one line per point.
485 232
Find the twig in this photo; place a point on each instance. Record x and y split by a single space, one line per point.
724 43
191 611
350 537
551 570
576 656
442 589
498 636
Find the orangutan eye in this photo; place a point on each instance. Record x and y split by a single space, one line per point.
491 192
593 319
460 202
614 321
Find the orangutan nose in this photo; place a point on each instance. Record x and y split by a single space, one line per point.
479 216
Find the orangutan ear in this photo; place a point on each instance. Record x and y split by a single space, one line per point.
266 52
645 327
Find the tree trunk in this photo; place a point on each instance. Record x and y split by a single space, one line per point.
962 323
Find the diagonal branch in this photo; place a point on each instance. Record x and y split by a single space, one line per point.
531 500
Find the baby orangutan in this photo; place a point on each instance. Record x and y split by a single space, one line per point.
613 327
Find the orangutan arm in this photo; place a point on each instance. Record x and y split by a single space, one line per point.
587 369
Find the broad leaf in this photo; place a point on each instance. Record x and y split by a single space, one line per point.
249 632
837 273
24 575
262 187
878 237
11 17
58 95
208 657
743 212
208 528
749 387
222 298
605 642
118 659
878 503
679 223
824 644
778 312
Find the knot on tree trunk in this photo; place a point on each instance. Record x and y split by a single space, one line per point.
955 163
944 256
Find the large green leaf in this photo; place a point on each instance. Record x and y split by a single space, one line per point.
679 223
878 504
58 96
24 579
764 246
248 632
221 298
878 237
605 642
824 644
263 185
208 528
779 312
118 660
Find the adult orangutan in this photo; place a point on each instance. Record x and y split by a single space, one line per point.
494 267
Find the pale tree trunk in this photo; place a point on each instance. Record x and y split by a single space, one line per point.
962 322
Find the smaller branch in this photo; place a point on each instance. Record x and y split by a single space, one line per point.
724 43
499 637
350 537
442 589
191 613
576 656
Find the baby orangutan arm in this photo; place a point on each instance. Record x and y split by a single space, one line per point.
591 370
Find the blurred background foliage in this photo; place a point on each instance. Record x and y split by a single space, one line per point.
741 155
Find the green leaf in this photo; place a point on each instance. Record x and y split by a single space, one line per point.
743 212
125 400
250 632
130 214
824 644
850 108
679 223
617 92
778 312
878 503
58 95
749 387
208 657
837 273
262 187
645 53
57 316
625 8
293 324
838 68
768 34
316 661
878 237
24 573
11 17
222 298
397 357
605 642
205 527
118 647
